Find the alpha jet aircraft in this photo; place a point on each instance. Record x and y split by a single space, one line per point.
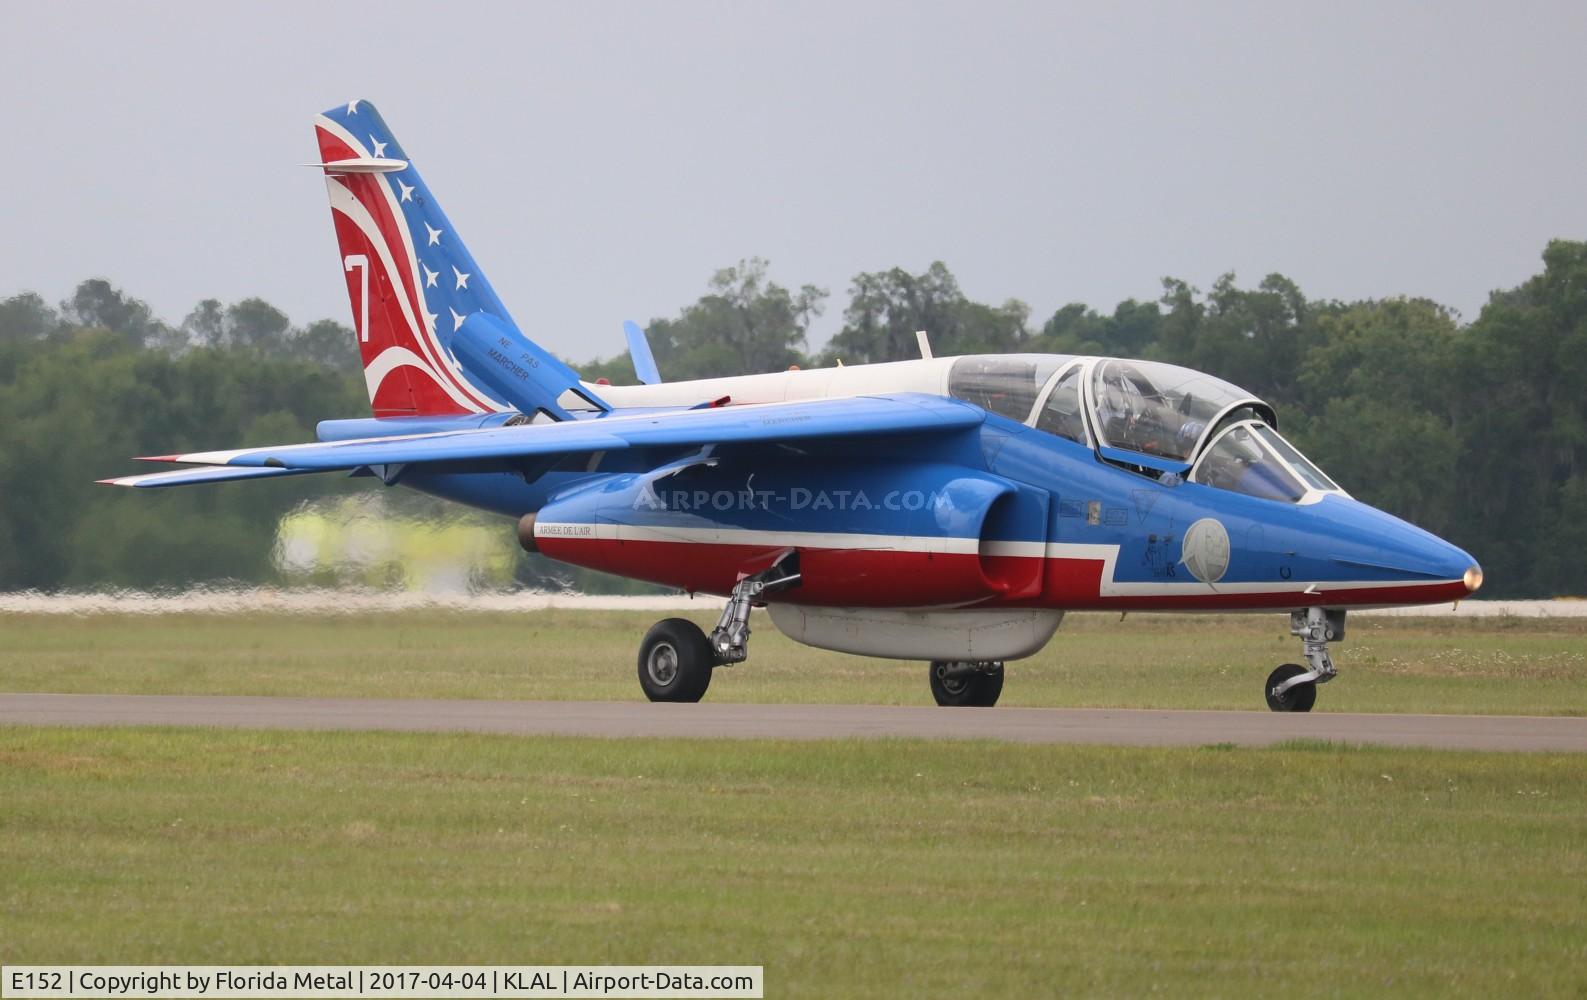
943 509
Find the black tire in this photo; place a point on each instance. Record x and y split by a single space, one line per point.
975 690
675 661
1299 698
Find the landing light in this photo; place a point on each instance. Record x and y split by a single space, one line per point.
1473 579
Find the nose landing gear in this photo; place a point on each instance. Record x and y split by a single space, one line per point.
1293 688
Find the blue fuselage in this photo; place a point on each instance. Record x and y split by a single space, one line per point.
1002 514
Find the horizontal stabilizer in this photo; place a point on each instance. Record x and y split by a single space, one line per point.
362 165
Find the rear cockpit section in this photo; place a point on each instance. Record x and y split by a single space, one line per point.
1006 384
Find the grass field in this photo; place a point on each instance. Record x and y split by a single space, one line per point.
866 868
846 868
1500 666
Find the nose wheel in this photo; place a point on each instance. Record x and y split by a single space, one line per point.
1299 697
1292 687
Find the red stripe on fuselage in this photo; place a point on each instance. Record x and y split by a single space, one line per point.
831 577
889 578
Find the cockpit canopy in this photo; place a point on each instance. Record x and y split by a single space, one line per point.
1008 384
1157 409
1155 418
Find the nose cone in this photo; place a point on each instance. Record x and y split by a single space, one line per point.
1381 547
1473 579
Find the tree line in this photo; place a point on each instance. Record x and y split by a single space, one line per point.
1475 430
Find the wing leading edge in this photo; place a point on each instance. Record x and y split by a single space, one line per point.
849 417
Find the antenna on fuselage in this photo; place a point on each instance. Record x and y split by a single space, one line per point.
924 341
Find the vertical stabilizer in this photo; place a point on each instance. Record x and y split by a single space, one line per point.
410 279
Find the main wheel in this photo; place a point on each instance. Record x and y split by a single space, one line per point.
1299 698
978 688
675 661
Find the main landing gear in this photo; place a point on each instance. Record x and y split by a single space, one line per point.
676 657
1292 687
961 683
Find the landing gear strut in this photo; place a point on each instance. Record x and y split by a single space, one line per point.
676 657
967 683
1292 687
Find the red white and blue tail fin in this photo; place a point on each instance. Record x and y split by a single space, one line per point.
410 279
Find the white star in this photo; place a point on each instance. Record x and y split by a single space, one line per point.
435 234
462 279
429 276
429 321
380 147
352 107
457 319
407 191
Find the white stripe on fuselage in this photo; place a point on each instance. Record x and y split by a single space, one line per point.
582 531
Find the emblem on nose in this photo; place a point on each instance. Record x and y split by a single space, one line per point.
1205 551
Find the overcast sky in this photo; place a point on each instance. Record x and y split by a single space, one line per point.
602 160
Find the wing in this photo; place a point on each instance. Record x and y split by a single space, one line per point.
849 417
202 474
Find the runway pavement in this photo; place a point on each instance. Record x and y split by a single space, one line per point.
1122 727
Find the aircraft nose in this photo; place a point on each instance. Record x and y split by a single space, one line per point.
1371 539
1435 557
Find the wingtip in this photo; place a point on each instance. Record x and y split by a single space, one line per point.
158 458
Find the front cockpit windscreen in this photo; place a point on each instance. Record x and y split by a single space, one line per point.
1238 462
1006 384
1252 458
1314 476
1157 409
